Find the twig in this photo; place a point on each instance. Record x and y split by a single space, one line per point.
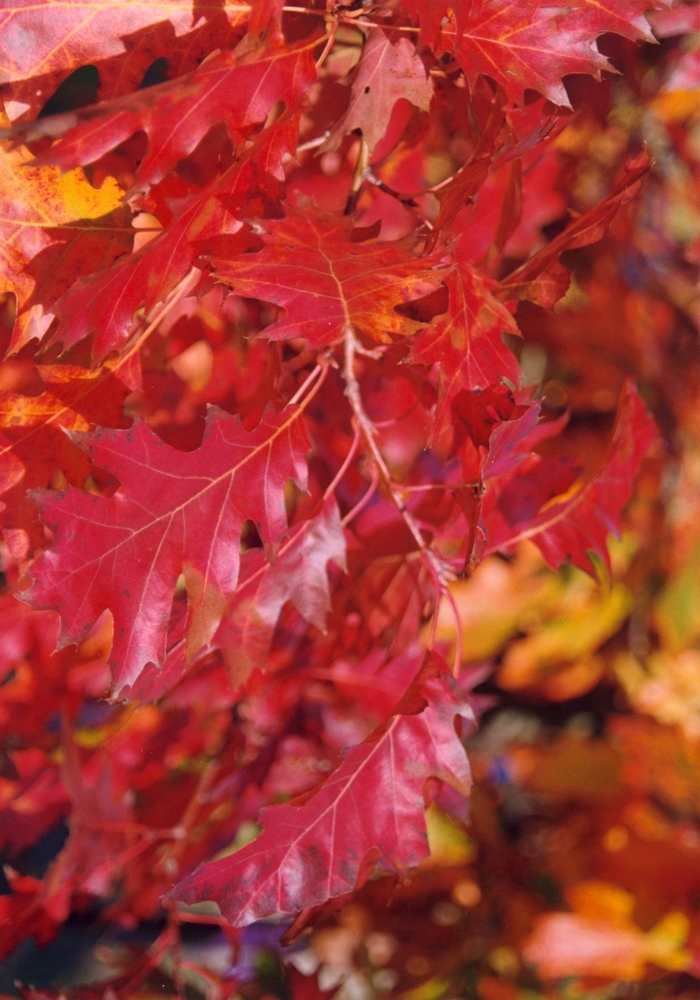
344 467
331 27
364 499
319 370
357 177
313 143
459 638
442 572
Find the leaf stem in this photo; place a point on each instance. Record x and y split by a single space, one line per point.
320 369
459 640
344 467
367 429
328 46
364 499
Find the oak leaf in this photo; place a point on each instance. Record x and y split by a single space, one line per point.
297 574
237 90
45 40
51 223
542 278
105 302
523 45
33 446
388 70
173 513
575 526
327 278
467 342
328 842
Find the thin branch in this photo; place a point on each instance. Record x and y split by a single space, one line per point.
321 370
385 27
423 487
364 499
352 390
312 143
358 177
344 467
327 48
459 639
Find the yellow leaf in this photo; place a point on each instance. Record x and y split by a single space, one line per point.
41 208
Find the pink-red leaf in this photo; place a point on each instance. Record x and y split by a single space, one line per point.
44 40
327 282
571 527
467 342
388 70
107 300
368 813
542 278
173 513
521 44
237 90
298 574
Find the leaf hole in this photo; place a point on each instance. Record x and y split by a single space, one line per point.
76 91
156 73
425 309
250 537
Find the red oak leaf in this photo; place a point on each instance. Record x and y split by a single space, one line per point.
521 44
386 72
542 278
46 40
297 574
173 513
571 527
329 842
107 300
466 343
237 90
327 281
32 802
33 448
22 915
50 225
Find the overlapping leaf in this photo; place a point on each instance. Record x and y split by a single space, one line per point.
467 342
105 302
571 527
298 574
329 843
33 446
520 44
328 279
51 223
236 89
173 513
542 278
388 70
49 39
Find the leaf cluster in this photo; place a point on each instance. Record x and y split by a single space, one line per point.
297 429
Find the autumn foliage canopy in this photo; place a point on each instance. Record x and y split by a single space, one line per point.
351 588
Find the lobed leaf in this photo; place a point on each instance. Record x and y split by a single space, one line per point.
521 44
571 527
329 843
173 513
327 281
239 90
